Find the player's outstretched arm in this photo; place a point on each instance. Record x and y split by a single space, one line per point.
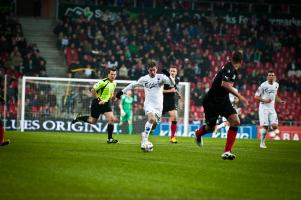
119 94
258 98
166 72
229 86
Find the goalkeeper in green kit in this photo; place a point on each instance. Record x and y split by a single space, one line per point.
126 113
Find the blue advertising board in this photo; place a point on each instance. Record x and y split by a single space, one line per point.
244 132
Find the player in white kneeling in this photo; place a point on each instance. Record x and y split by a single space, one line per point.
153 104
266 94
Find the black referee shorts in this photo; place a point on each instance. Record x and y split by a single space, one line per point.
97 109
213 108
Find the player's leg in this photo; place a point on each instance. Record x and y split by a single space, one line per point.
122 119
227 126
110 118
232 117
223 124
264 126
151 121
211 116
96 110
130 123
234 122
263 132
274 124
2 141
173 125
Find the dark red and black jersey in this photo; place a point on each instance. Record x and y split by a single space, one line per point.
229 74
172 84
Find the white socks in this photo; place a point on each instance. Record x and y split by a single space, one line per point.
224 124
263 133
147 130
221 125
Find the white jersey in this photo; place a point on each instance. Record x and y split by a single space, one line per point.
153 91
232 97
267 91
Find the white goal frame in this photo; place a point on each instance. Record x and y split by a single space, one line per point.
25 78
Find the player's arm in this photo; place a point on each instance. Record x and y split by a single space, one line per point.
114 96
258 96
229 87
95 88
166 80
279 100
171 90
130 87
260 99
93 92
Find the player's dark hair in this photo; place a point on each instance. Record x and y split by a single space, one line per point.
271 71
151 64
173 66
111 69
237 57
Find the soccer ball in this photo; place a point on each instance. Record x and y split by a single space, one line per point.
275 134
147 146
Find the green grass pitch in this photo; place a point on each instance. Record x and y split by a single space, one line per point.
82 166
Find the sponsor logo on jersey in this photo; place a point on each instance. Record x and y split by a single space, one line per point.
151 85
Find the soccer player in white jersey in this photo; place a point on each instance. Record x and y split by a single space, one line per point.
153 104
266 94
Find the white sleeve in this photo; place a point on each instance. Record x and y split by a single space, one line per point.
134 84
166 80
259 91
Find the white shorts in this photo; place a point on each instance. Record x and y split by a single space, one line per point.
267 117
156 111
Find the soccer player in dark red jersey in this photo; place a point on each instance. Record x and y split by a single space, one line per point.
2 141
170 101
217 102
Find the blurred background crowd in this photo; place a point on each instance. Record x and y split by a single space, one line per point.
197 44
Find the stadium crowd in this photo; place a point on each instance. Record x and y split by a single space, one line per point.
17 58
197 45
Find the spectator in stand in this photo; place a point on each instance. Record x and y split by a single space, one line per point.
123 72
198 94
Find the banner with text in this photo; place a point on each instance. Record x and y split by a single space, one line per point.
101 13
285 133
244 132
163 129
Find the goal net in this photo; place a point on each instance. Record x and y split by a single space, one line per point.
50 104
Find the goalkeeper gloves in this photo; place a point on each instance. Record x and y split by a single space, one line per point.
119 94
165 72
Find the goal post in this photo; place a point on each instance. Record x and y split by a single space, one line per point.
50 104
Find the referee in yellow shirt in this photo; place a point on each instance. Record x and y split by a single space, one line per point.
103 91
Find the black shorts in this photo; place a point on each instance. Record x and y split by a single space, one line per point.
169 106
1 122
97 109
213 108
